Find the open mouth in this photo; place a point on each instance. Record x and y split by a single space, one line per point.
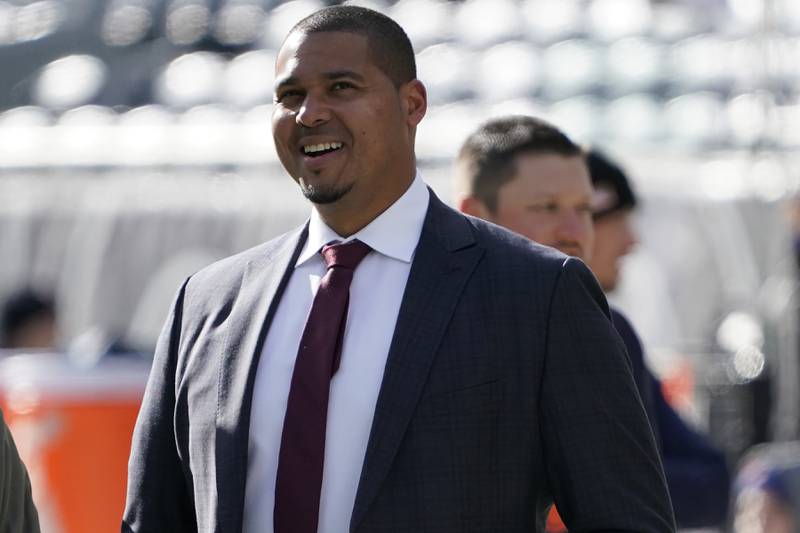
316 150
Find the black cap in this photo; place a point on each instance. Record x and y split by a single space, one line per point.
613 191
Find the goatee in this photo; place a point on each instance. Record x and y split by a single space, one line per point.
324 195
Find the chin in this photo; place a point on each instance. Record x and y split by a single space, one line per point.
609 285
322 195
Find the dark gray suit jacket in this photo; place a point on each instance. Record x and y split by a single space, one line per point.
505 387
17 511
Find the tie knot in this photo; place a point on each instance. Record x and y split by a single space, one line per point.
347 255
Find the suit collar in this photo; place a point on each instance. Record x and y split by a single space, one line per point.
394 233
444 259
263 283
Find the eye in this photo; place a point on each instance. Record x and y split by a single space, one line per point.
342 85
544 207
288 96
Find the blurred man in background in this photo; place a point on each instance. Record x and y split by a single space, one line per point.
697 473
526 175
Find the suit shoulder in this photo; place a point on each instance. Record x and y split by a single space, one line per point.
534 269
511 247
230 270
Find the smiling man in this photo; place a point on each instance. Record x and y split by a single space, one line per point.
391 365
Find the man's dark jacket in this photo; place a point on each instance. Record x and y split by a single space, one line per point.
505 387
17 512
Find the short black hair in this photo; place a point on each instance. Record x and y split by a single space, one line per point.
608 176
487 158
21 308
389 46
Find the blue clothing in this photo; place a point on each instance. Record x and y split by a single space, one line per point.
697 473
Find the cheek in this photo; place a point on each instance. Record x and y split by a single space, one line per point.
376 127
607 266
531 225
542 225
601 241
281 129
281 145
604 261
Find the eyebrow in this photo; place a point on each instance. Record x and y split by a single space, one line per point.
549 196
333 75
344 74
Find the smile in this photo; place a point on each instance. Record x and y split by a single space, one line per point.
315 150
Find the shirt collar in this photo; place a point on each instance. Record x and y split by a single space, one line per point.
394 233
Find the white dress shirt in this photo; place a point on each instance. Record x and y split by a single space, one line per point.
375 296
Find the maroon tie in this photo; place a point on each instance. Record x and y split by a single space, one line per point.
299 478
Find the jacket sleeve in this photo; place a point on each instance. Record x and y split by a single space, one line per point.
601 459
697 472
160 496
641 375
17 512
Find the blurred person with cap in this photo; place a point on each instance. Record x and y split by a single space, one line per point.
697 472
460 396
613 203
28 321
17 511
523 173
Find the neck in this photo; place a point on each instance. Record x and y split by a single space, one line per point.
342 224
353 212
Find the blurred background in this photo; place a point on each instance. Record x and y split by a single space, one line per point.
135 148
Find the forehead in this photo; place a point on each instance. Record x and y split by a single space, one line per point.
315 54
552 175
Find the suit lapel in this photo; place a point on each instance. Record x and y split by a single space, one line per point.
444 260
263 283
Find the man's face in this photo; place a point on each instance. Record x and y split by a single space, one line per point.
549 201
613 239
342 129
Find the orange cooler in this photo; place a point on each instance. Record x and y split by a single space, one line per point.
73 428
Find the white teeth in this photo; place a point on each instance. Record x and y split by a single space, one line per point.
311 148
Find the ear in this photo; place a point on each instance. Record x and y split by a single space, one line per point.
414 98
471 205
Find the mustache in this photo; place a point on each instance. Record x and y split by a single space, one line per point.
323 129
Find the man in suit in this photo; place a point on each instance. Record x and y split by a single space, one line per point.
525 174
478 377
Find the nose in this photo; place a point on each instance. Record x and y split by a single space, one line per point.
574 226
630 237
312 112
